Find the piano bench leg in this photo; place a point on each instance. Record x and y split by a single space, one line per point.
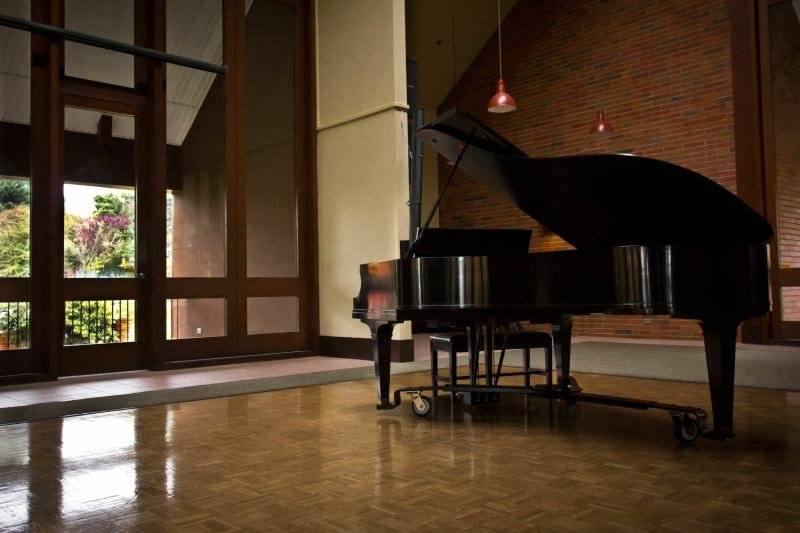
453 361
548 366
526 365
434 373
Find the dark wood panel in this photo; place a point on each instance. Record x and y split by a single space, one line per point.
85 161
10 377
273 343
15 150
358 348
96 104
192 349
746 104
789 277
152 157
233 12
790 331
18 362
308 58
47 231
100 288
99 358
15 290
104 96
199 288
274 287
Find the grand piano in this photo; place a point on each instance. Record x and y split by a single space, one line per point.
649 237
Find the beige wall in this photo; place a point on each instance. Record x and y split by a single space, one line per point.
362 161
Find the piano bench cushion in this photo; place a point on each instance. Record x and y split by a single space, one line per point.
457 342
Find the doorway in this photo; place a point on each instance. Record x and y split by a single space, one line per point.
102 284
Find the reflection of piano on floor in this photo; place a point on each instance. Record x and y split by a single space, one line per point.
650 237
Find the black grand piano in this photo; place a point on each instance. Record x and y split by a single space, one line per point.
650 237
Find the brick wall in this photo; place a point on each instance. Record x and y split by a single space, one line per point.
660 68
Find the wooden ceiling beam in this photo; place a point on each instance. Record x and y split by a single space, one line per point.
104 125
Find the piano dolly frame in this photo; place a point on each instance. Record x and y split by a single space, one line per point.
688 423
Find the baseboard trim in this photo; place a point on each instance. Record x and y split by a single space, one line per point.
358 348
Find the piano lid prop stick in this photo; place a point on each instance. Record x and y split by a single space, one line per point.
428 220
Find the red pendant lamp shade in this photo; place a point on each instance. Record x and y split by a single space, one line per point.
501 102
601 125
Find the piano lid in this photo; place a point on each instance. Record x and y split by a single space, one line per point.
602 199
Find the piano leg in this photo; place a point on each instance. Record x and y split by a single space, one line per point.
720 343
382 355
562 340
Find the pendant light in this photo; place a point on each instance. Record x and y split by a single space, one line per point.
501 102
601 125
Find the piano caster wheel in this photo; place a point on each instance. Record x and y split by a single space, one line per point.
686 427
421 405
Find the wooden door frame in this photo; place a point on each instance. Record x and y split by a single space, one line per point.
755 146
782 330
304 286
108 357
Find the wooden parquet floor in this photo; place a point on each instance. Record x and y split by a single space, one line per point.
321 458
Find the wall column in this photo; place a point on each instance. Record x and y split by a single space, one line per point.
362 159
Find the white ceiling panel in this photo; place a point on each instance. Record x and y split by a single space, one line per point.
194 29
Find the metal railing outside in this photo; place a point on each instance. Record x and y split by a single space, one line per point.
15 319
99 321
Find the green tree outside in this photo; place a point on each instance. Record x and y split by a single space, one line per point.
101 245
14 192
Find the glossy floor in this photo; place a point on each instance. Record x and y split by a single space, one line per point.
321 458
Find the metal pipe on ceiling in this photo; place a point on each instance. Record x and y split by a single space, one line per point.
108 44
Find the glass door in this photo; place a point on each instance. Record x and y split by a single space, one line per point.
100 225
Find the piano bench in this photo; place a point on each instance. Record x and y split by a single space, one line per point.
455 343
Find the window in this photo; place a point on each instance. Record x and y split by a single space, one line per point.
273 314
193 318
99 231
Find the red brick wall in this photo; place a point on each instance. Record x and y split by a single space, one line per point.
660 68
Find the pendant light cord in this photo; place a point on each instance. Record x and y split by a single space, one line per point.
597 44
500 38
